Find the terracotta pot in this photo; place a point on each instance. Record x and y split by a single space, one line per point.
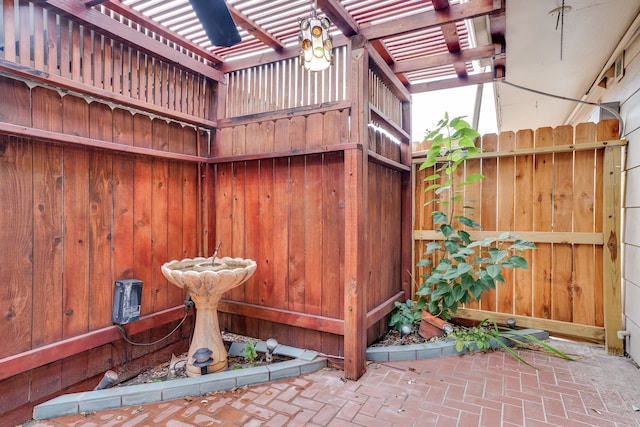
432 326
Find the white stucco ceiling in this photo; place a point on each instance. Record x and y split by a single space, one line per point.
592 30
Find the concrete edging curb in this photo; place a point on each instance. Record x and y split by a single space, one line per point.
303 362
431 350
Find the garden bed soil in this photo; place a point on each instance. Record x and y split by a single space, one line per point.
175 368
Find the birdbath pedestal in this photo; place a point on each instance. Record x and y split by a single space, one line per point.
207 279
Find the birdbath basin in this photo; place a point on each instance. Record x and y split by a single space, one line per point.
207 279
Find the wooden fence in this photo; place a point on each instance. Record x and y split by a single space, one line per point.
559 188
105 185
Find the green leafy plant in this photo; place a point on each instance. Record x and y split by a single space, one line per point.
481 337
250 353
406 313
466 268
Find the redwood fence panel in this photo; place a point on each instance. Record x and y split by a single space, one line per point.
550 187
81 217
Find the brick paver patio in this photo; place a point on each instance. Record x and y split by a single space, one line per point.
484 389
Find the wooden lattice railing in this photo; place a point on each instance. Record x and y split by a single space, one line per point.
285 84
49 42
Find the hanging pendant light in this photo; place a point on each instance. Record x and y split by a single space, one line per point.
316 44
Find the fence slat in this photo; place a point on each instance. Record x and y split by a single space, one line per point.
542 220
488 213
523 221
506 221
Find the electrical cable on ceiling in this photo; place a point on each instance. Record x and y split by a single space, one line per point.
595 104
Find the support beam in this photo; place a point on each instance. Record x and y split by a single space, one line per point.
254 29
466 55
425 20
339 17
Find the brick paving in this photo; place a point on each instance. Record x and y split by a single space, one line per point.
484 389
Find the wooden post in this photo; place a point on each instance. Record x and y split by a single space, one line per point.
611 266
355 245
407 207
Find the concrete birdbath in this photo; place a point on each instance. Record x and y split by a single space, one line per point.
207 279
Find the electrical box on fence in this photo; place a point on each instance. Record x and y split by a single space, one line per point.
127 295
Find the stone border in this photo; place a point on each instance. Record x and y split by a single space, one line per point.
433 349
303 362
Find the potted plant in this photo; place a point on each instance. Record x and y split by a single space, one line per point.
466 268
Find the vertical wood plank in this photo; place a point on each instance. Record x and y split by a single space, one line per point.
297 235
9 26
25 33
15 104
134 73
542 221
314 131
265 244
107 79
65 42
123 127
562 283
472 194
159 233
281 135
488 211
225 213
100 210
266 143
87 61
235 228
612 274
16 228
125 87
253 139
160 135
190 207
116 76
142 131
76 219
76 53
524 209
51 44
122 238
174 216
223 144
101 214
298 131
190 140
38 38
251 227
98 61
313 279
142 211
47 221
585 279
332 235
506 218
281 230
